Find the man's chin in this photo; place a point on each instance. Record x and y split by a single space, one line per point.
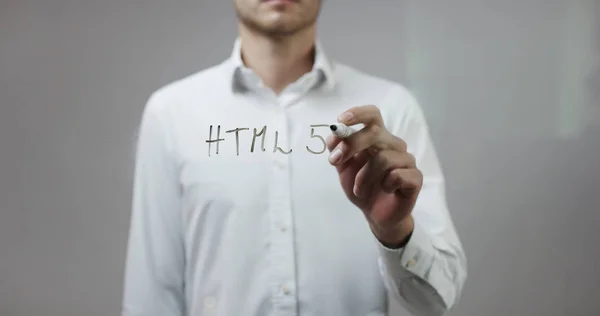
279 28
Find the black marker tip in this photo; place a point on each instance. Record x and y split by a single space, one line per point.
333 127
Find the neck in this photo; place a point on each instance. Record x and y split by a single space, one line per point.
278 61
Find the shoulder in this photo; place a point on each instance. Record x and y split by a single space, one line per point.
200 84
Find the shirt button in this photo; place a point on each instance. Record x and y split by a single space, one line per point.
283 229
210 302
285 290
280 164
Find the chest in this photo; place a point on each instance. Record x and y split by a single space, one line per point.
245 154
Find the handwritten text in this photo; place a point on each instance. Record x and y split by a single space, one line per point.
258 136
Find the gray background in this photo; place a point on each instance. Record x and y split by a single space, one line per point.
507 85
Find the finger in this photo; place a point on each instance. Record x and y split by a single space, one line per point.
366 114
348 170
363 183
379 165
355 163
407 182
355 143
371 137
332 141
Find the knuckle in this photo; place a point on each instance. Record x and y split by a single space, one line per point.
406 159
402 144
413 160
377 110
373 107
390 158
381 158
419 178
396 175
399 142
374 152
375 129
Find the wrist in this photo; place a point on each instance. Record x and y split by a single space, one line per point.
395 237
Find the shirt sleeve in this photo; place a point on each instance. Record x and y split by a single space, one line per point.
427 275
154 272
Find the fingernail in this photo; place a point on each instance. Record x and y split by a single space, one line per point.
345 117
335 156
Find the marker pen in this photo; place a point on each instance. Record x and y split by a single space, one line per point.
341 130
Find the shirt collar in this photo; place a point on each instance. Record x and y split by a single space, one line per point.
322 64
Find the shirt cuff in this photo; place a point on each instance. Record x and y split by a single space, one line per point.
415 258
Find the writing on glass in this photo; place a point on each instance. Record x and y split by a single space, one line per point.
318 145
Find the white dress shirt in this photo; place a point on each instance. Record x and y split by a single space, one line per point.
255 222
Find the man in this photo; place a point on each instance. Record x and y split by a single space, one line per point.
243 205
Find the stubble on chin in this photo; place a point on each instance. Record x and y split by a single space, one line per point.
280 29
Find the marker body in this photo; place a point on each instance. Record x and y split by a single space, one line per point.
341 130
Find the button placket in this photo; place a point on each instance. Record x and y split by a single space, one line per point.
281 251
298 90
282 172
